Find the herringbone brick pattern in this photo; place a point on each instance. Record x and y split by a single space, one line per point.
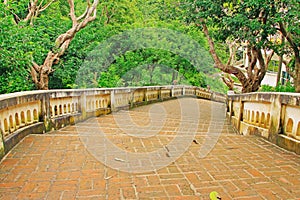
58 166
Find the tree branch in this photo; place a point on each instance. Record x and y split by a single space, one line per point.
225 68
40 75
35 66
269 58
211 45
34 10
228 81
46 6
263 67
16 17
252 57
288 70
83 15
296 73
41 3
232 51
289 38
72 12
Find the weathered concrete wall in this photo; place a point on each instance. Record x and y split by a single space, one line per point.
30 112
274 116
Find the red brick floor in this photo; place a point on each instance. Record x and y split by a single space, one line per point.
58 166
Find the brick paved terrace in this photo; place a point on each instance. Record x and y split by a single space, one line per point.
68 163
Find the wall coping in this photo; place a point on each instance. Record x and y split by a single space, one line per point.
34 92
285 98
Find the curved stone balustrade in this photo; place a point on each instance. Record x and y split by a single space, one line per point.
275 116
33 112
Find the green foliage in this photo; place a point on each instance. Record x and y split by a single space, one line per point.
216 84
240 20
280 88
248 21
273 66
22 43
150 67
285 88
19 46
133 68
110 78
267 88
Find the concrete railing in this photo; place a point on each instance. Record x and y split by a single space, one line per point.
36 112
275 116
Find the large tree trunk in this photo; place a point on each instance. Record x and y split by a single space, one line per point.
255 71
40 73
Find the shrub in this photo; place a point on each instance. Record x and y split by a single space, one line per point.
288 87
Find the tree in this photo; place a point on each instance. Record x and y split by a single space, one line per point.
132 63
248 22
24 42
288 23
40 73
19 42
28 31
34 9
150 67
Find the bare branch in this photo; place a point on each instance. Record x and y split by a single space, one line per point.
72 12
269 58
225 68
16 17
262 64
41 3
232 51
34 9
32 6
87 20
64 47
46 6
41 75
34 75
289 38
211 45
35 66
85 12
83 15
90 16
228 81
288 70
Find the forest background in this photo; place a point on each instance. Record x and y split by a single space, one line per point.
36 30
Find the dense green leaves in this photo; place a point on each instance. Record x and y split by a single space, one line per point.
151 67
250 20
22 43
255 24
18 47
